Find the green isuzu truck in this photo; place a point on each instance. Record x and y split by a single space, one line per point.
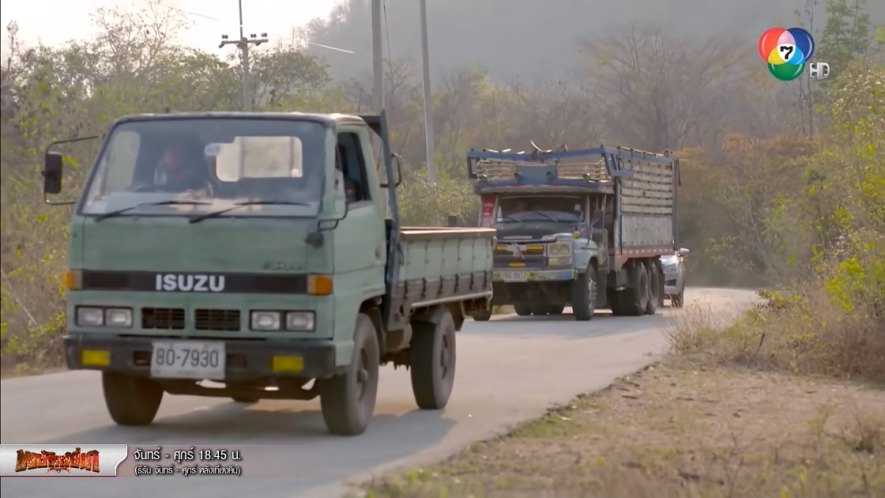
260 255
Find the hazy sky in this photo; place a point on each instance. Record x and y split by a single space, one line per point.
55 21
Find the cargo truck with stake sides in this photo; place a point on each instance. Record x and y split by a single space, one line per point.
581 228
260 255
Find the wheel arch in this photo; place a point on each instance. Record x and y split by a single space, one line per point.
372 309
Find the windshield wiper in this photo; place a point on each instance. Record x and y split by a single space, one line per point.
118 212
542 213
510 219
215 214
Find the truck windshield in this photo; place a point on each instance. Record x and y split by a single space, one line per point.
193 166
553 209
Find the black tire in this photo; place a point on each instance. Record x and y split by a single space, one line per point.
614 299
131 400
654 287
523 309
348 401
482 316
633 301
433 361
583 295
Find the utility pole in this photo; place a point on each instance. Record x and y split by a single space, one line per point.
243 44
377 56
428 104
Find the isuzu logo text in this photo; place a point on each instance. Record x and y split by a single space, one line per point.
172 282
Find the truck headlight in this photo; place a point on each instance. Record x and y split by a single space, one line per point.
300 320
118 317
559 249
265 320
88 316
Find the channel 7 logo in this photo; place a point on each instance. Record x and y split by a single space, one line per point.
787 51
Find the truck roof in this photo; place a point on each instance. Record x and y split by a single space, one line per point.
577 171
326 119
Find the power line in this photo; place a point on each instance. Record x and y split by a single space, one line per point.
243 44
387 33
428 103
377 57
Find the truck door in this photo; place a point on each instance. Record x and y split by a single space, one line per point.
360 244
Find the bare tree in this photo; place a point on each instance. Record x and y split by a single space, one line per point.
657 91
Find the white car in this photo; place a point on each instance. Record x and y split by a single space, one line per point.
674 277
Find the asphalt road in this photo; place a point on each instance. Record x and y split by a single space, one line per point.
509 370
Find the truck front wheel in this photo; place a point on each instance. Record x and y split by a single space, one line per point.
131 400
348 401
584 295
433 361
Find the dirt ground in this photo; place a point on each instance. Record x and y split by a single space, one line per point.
679 429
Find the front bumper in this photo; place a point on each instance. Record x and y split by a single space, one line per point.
246 360
529 275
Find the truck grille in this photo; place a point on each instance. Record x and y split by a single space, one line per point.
530 249
207 319
162 318
519 263
518 255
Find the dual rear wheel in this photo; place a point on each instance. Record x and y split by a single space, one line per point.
645 292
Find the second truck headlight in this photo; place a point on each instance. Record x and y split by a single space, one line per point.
559 249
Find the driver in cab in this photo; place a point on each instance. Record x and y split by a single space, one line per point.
181 169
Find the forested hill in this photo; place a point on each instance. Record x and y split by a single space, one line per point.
535 40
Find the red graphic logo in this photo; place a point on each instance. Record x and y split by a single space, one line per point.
29 460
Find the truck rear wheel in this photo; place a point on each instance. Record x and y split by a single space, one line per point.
655 277
433 361
348 401
633 301
482 316
584 295
131 400
523 309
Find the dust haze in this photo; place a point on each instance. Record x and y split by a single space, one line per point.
536 41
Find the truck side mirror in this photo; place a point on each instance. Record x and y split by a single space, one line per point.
52 172
396 170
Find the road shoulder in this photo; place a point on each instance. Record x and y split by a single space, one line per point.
676 428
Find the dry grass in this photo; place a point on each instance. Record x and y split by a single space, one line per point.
680 429
807 333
